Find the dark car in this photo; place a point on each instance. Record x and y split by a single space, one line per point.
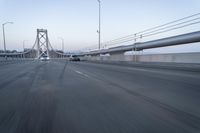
74 58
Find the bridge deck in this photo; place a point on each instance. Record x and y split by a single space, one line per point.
80 97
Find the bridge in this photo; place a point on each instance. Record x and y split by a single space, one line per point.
106 92
41 47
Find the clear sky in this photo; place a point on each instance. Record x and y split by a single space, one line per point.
77 20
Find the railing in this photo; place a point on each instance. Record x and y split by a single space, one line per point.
180 26
170 41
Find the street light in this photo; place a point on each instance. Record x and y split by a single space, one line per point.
24 47
24 44
99 31
4 38
62 43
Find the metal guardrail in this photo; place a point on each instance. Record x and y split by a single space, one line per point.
170 41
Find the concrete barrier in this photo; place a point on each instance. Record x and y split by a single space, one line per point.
177 58
172 57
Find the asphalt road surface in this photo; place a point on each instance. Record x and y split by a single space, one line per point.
80 97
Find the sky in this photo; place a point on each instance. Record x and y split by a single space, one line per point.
77 20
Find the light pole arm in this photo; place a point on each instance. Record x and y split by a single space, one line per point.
7 23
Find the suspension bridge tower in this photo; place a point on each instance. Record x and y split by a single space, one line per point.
42 43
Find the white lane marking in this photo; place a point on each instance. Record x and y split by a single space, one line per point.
82 74
167 72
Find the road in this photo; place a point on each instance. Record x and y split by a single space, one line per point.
80 97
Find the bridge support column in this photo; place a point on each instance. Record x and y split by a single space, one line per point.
42 43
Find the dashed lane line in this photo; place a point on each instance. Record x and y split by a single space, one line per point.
82 73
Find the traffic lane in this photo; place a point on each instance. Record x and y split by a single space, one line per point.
14 61
59 98
170 89
4 66
96 106
39 109
15 67
14 94
13 72
35 112
28 103
191 76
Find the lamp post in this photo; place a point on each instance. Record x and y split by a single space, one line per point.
62 44
24 47
99 31
24 44
4 38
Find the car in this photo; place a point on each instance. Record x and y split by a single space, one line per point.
74 58
44 58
